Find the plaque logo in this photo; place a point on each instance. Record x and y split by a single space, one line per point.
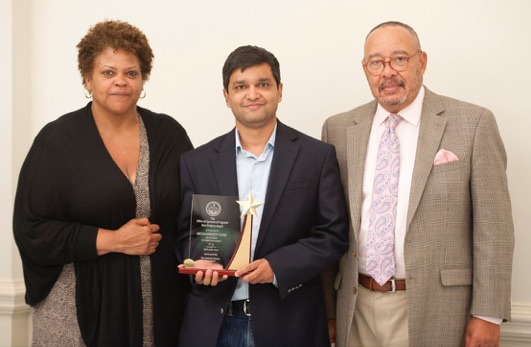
213 208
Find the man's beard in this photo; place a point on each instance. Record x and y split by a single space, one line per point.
392 101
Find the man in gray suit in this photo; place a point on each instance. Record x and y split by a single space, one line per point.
453 243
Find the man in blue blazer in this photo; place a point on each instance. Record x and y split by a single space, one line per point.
301 229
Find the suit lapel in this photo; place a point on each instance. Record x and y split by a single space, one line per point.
285 153
357 143
224 165
432 126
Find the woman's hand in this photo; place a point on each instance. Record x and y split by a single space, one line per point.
136 237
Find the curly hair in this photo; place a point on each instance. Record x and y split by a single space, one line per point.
117 35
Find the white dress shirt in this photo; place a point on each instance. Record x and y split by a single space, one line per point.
408 133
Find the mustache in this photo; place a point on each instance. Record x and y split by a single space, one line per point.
392 82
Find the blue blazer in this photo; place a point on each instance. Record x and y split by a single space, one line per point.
303 231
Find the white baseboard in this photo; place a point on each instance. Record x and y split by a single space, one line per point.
12 297
517 333
15 315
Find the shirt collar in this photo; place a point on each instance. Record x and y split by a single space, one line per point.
270 142
411 113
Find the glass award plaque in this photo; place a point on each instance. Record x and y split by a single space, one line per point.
215 233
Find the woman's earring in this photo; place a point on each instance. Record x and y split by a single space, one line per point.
88 94
143 96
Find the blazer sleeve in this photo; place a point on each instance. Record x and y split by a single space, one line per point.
493 230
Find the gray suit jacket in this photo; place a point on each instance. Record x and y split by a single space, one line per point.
459 238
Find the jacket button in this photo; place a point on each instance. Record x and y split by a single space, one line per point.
221 311
354 290
355 254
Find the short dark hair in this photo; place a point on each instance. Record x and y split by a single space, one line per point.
399 24
247 56
113 34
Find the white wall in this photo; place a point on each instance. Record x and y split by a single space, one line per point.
14 314
478 51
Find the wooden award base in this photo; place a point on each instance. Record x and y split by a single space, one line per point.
194 270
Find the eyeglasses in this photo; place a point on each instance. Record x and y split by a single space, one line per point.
398 63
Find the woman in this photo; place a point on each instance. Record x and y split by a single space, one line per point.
96 207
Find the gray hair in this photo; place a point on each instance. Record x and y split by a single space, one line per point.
399 24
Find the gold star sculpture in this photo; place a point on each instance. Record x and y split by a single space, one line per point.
249 206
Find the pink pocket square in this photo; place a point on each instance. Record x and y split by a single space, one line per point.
443 157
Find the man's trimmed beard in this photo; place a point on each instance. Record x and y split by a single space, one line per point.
392 102
397 101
